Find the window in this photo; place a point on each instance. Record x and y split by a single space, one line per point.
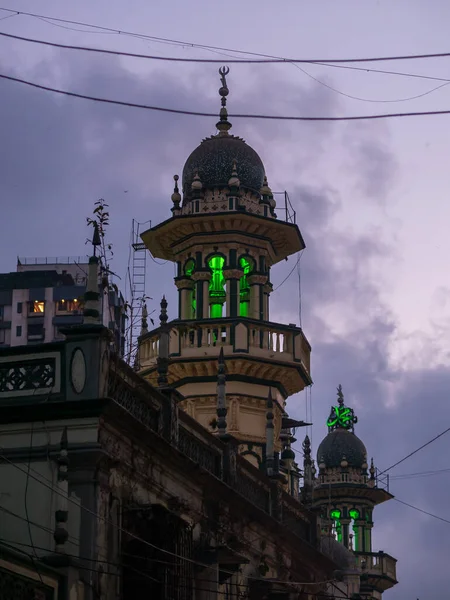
18 330
2 336
217 293
246 263
68 305
2 312
37 306
36 332
19 308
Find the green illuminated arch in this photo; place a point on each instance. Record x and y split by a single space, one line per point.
354 515
335 516
217 292
189 267
247 265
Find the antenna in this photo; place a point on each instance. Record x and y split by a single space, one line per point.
137 287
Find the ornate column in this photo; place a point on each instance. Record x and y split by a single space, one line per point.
256 282
202 278
185 286
232 277
267 290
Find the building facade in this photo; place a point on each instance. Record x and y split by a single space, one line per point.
176 479
45 295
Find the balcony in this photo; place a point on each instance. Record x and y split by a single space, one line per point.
271 344
380 569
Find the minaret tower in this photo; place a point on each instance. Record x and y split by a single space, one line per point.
224 236
345 493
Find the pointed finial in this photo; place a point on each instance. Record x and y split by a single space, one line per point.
340 394
223 125
96 237
162 362
270 450
221 409
163 315
176 196
196 182
61 534
306 445
234 181
144 322
372 469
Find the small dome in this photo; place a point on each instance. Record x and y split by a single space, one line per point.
214 160
339 443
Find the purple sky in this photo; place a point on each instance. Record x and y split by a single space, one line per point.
371 198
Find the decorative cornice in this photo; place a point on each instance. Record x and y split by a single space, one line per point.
257 279
184 283
203 275
233 273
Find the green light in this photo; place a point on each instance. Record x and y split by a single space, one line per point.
247 266
216 311
216 286
336 516
341 416
354 514
189 267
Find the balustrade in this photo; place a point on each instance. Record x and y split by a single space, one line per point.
286 343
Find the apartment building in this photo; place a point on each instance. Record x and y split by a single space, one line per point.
45 295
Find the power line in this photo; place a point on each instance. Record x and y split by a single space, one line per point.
417 475
107 30
415 451
234 116
212 60
132 535
425 512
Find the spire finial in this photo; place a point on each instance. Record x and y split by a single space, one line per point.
221 409
91 311
176 196
341 416
234 181
270 450
223 125
340 395
144 322
162 361
61 534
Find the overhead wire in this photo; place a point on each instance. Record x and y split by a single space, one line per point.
183 44
417 475
132 535
415 451
211 60
214 115
425 512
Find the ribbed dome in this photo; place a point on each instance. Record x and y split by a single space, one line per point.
339 443
214 161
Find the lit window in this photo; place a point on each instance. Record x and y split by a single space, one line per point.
68 305
354 515
37 306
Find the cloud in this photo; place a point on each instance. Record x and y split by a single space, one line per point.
59 155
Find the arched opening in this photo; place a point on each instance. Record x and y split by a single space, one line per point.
336 527
189 268
354 515
247 265
217 294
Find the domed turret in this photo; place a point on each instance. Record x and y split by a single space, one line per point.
341 443
215 156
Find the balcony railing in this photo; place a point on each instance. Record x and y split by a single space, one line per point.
239 335
379 567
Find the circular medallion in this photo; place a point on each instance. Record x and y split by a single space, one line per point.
78 371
